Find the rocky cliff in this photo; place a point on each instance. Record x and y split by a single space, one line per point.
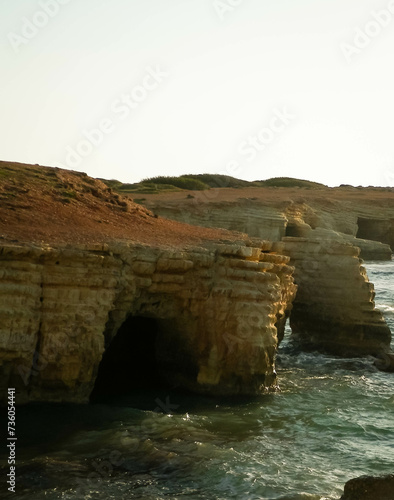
334 308
364 217
98 294
268 223
216 311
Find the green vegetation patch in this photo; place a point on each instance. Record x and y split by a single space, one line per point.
5 173
146 188
191 183
289 182
220 181
200 182
158 184
112 183
69 194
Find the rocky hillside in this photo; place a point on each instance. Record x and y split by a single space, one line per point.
52 205
284 207
79 264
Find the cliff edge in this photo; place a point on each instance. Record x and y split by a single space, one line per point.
96 288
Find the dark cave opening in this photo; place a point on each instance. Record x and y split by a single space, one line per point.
129 363
292 230
376 230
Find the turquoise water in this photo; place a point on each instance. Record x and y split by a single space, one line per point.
333 420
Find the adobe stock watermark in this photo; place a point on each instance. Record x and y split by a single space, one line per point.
165 407
363 36
59 344
103 467
38 21
120 109
39 363
223 7
109 460
266 135
250 147
231 342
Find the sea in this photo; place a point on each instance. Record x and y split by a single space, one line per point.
332 420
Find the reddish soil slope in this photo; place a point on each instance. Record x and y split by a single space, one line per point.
55 206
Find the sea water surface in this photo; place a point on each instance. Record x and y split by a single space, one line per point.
333 420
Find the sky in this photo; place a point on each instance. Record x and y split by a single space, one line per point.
131 89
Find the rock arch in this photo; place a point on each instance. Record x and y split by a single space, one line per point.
219 310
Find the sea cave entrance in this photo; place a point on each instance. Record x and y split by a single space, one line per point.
130 361
376 229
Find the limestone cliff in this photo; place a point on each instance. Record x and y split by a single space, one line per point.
242 216
334 308
364 216
218 308
90 282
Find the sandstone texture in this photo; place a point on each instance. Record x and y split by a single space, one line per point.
356 214
241 216
334 308
78 263
369 249
370 488
218 308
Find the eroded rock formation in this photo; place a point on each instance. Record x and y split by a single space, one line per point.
206 307
363 217
218 310
369 249
243 216
334 308
376 229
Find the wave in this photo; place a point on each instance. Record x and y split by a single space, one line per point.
385 308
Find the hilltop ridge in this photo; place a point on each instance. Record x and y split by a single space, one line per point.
52 205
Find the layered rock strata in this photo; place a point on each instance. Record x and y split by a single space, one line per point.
376 229
219 310
351 220
241 216
369 249
334 309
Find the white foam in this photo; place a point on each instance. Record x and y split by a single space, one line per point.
385 308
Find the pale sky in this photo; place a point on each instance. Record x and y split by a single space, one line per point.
252 88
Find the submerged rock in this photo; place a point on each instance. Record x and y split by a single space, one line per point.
370 488
385 362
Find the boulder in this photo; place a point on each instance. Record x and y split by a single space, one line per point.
385 362
370 488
